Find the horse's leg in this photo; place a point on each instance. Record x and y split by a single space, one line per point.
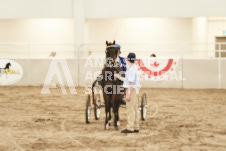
117 116
110 105
115 110
117 102
107 105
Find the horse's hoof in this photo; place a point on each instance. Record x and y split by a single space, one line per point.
106 126
116 128
109 122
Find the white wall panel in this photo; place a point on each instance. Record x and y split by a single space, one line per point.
25 80
154 8
140 30
200 74
15 9
223 73
36 31
111 9
35 71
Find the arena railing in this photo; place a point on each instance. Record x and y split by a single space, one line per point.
37 50
182 50
185 52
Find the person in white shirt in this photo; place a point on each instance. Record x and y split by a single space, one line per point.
131 83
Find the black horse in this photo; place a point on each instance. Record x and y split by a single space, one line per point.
110 85
3 70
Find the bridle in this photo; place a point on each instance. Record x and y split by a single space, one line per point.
110 46
110 61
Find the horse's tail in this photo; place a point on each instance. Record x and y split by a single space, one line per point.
93 85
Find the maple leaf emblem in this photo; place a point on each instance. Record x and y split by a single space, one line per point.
155 64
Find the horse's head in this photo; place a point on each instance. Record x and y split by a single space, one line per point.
111 52
8 65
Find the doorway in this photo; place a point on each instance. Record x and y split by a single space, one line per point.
223 46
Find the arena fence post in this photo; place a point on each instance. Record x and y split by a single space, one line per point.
219 64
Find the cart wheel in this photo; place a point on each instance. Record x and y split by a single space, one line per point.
97 105
143 107
88 110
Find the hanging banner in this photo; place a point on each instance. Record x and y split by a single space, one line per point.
10 72
156 68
